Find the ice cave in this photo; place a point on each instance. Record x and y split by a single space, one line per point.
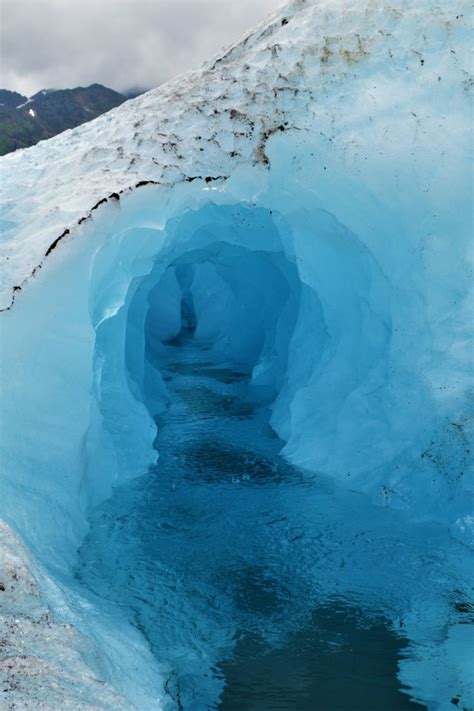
236 349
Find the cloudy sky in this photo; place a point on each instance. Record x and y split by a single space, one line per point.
119 43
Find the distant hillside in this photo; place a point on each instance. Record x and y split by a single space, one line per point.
25 121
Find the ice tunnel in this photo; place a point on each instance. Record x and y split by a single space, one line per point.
235 267
242 270
289 311
235 440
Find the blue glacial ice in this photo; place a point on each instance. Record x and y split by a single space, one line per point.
235 419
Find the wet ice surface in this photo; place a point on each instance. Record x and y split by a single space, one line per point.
256 584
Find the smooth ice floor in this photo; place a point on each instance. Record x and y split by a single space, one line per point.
257 585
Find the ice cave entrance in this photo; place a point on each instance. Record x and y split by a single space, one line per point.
247 595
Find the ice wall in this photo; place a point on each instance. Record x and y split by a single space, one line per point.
309 191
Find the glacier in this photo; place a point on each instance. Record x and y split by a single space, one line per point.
300 206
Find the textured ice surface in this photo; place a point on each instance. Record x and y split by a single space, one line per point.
311 198
44 664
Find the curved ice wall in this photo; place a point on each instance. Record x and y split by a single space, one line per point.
308 190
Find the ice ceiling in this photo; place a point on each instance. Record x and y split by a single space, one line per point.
304 202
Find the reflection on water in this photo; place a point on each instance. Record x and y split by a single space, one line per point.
213 461
248 577
208 370
206 403
337 661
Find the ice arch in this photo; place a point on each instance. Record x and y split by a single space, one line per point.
316 309
308 315
293 296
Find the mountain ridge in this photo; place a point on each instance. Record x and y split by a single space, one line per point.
24 121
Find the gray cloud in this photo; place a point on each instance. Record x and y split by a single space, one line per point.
120 43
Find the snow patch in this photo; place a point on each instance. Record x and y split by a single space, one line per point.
21 106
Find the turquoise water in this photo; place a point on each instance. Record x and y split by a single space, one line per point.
257 586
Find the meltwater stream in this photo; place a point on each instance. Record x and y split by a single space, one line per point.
248 577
